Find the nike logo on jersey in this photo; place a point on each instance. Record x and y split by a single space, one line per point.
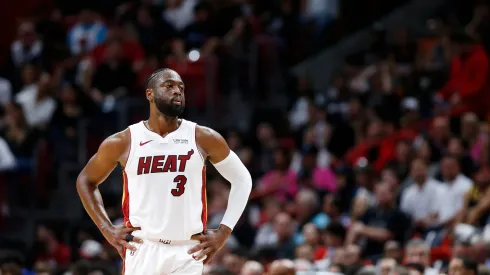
143 143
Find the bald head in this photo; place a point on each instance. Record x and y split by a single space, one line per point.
282 267
252 268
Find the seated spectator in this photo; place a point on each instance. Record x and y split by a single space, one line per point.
476 208
386 266
467 87
28 48
87 33
393 250
379 224
332 212
112 79
252 268
37 103
282 267
457 148
21 138
455 187
280 182
462 266
311 175
421 199
417 252
284 228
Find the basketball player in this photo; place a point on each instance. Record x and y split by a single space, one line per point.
164 200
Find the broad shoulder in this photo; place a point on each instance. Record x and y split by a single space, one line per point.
116 145
212 143
205 135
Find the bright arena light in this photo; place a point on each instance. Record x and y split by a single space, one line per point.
194 55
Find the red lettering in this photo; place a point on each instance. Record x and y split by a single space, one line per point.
144 165
179 189
157 164
170 164
183 160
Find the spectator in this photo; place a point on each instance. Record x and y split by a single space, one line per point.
280 182
468 84
282 267
386 266
37 103
379 224
284 229
417 252
28 48
476 207
455 187
393 250
252 268
462 266
113 78
87 33
20 137
421 199
179 13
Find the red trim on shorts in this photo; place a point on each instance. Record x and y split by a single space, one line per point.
204 214
125 200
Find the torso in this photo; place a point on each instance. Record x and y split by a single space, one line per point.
164 183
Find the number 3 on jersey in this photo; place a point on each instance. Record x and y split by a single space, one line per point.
181 180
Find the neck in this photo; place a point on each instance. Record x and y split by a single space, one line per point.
420 182
162 124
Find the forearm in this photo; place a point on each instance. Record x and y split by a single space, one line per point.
92 202
233 170
377 234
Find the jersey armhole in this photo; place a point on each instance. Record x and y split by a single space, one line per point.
197 144
131 150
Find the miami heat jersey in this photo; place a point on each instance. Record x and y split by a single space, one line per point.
164 183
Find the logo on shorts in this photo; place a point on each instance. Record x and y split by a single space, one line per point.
165 241
180 141
131 253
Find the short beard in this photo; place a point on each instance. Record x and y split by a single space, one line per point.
169 109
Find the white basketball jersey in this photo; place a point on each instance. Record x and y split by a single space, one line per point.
165 183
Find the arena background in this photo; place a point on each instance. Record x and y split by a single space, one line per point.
337 107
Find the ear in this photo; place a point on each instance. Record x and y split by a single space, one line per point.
149 94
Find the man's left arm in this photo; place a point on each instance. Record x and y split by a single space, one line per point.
227 163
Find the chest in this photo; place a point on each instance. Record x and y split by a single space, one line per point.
175 155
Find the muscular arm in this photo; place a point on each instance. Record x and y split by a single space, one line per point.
111 151
231 168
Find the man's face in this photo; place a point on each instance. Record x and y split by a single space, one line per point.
456 267
168 94
417 255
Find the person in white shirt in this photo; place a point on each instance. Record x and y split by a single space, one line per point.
7 159
455 187
37 104
421 199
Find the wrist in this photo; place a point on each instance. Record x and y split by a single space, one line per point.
225 229
106 227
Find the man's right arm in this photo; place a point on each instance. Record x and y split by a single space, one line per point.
111 151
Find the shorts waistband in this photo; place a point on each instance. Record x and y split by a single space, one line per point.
192 240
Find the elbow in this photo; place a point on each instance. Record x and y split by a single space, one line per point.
83 183
248 184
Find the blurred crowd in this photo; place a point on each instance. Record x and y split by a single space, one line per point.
386 171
